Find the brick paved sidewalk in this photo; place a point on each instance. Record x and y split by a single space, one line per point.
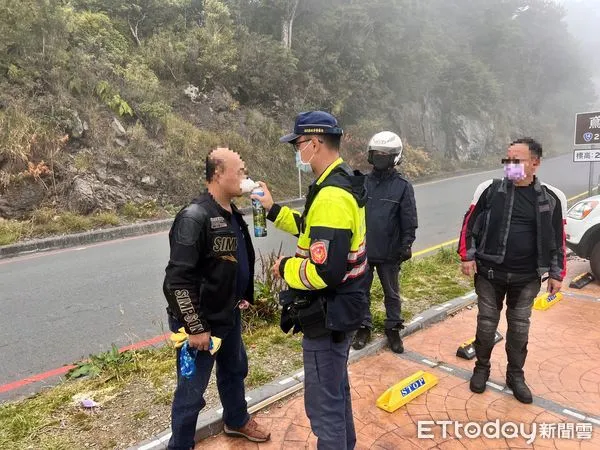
562 369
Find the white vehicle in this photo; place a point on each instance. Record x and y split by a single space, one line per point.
583 231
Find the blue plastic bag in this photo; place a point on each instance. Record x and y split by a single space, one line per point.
187 360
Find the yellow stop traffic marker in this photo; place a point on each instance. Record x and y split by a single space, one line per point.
466 350
545 301
406 390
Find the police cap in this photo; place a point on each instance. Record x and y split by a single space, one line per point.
313 122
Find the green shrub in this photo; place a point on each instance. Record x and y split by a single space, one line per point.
10 231
145 210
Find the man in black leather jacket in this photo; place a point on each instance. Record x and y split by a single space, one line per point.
208 280
513 233
391 225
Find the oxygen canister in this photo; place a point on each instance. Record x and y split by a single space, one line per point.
187 361
259 215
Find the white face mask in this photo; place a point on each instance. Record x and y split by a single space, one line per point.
247 185
301 165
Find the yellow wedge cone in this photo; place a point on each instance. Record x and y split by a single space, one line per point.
466 350
406 390
545 301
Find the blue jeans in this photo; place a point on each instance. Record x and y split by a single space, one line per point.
232 369
327 392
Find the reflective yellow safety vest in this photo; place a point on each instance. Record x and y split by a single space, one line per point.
331 255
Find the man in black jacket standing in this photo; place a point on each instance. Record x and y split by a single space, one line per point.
391 225
209 279
513 233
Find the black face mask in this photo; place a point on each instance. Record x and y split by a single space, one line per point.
382 162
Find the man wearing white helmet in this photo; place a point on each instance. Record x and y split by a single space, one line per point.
391 225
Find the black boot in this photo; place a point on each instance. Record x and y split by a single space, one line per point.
519 388
394 340
481 373
361 338
516 353
478 380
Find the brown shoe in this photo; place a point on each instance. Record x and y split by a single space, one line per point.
251 431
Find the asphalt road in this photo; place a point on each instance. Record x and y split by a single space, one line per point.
59 307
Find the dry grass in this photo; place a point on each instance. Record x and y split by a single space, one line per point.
48 222
135 391
134 395
425 282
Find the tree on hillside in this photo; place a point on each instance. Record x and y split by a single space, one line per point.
143 18
30 31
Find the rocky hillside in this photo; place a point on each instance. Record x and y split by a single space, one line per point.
111 105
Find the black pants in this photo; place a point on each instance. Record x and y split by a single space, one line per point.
520 290
389 274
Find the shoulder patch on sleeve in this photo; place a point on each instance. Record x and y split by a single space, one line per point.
318 251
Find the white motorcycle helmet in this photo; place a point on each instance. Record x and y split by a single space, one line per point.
388 143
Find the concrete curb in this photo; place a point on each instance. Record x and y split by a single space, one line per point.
210 422
108 234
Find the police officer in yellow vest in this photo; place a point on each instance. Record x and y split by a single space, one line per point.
327 277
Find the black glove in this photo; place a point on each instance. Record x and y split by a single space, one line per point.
405 254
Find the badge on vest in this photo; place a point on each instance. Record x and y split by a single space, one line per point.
318 251
217 222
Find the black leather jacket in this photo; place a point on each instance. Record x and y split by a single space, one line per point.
200 281
486 226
